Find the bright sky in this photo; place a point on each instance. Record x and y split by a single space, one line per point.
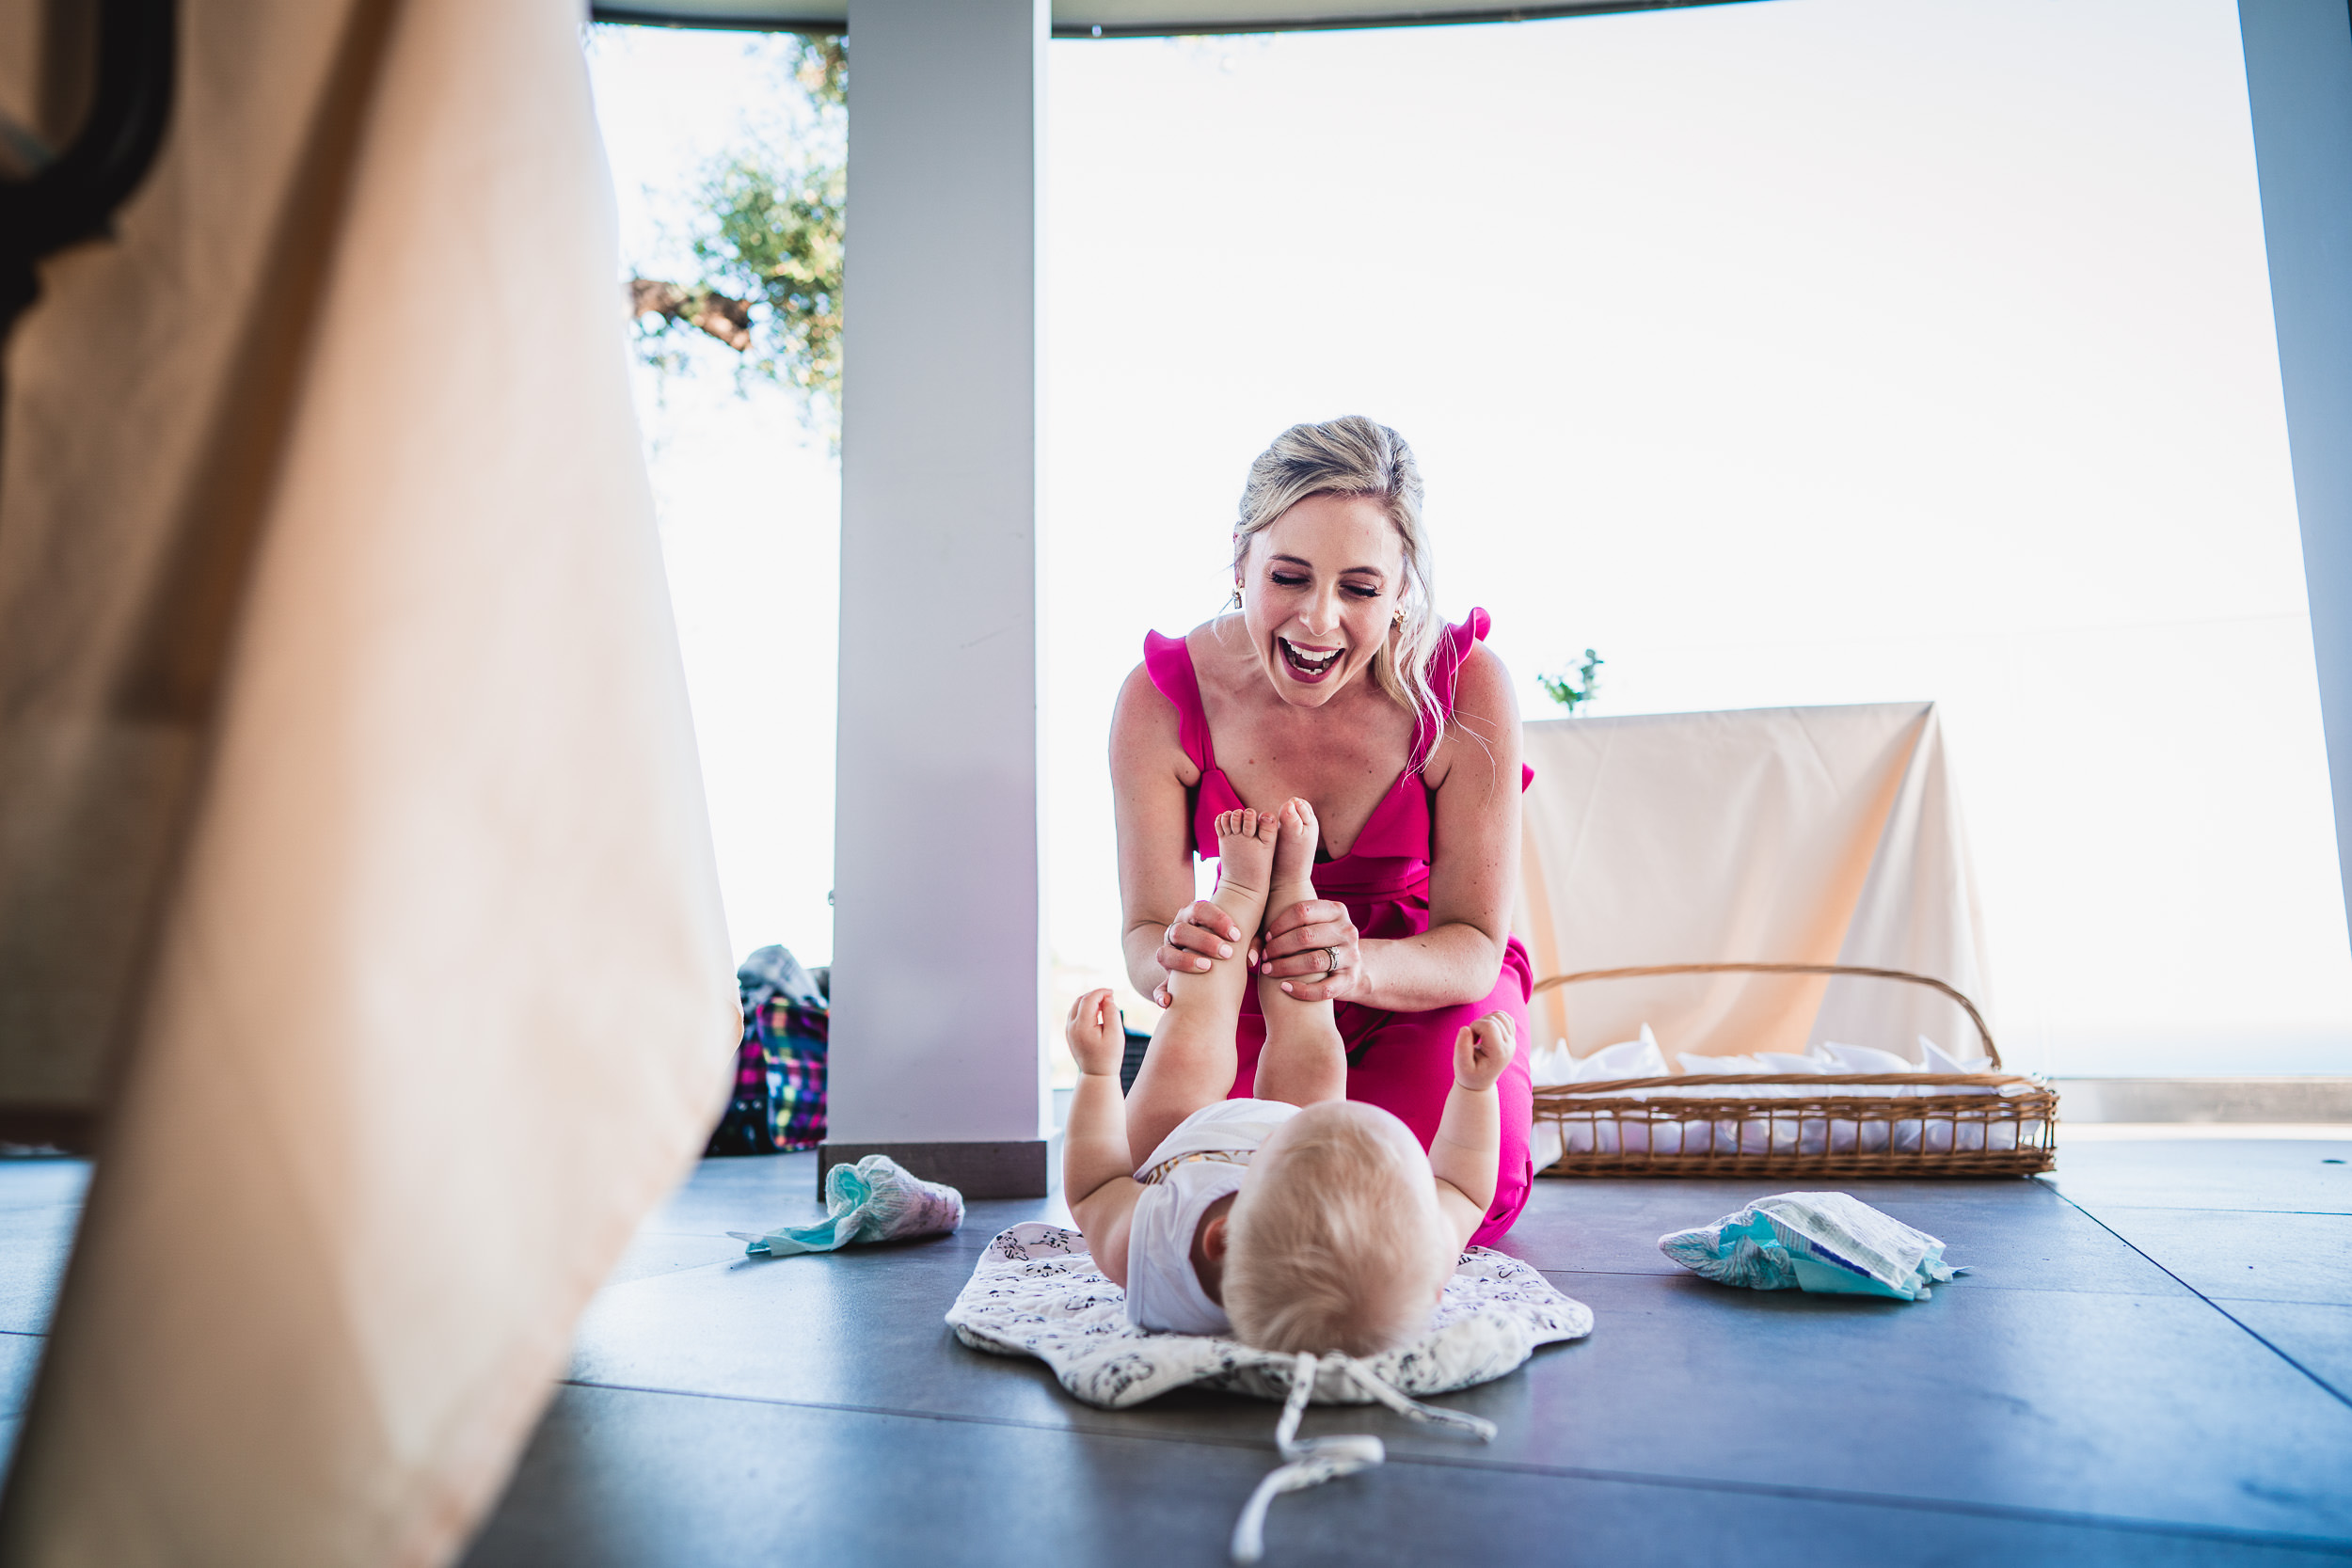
1810 351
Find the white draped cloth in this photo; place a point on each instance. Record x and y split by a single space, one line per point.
1781 835
357 873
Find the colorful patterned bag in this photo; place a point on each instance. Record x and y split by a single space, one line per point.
779 1097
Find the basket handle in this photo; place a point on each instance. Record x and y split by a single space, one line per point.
1967 1006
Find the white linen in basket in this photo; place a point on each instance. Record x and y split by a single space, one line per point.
1783 1134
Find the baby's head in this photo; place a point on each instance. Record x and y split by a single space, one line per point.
1334 1241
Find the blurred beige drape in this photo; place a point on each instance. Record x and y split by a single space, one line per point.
353 865
1771 835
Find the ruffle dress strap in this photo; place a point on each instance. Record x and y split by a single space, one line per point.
1445 678
1169 661
1445 673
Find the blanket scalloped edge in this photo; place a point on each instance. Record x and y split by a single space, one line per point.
1036 1292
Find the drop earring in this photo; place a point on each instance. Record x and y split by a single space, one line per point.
1236 604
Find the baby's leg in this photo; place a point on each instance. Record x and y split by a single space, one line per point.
1304 1060
1192 1061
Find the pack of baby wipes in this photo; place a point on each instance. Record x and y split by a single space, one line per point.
1821 1242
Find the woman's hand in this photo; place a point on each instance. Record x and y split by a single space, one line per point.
1313 949
1201 932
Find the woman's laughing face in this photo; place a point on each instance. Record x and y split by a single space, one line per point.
1320 588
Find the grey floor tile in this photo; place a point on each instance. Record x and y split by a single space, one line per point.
724 1194
2219 1173
660 1252
2139 1406
2318 1336
42 1182
45 1222
647 1481
28 1293
2255 1256
761 1193
20 1358
2013 1233
859 1327
34 1247
2131 1406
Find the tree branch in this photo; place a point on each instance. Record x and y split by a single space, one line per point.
725 318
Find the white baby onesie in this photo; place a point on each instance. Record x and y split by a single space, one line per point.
1195 1165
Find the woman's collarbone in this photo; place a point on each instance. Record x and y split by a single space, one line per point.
1344 793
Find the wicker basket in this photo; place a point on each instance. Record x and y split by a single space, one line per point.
1655 1127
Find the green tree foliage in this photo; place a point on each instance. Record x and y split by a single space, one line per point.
767 247
1573 694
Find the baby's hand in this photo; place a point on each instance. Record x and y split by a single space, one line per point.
1483 1049
1097 1040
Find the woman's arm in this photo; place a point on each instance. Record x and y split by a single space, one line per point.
1473 874
1150 778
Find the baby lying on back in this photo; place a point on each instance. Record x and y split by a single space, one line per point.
1300 1221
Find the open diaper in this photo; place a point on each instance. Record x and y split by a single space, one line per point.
1036 1292
874 1200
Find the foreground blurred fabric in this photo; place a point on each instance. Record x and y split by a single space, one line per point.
355 882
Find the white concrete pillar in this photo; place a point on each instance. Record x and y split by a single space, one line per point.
2298 83
939 965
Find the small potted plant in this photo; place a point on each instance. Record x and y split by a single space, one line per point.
1573 694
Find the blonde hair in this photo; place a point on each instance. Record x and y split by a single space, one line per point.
1356 456
1335 1243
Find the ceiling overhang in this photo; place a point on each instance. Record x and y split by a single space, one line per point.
1135 17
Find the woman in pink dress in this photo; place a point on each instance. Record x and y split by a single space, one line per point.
1331 678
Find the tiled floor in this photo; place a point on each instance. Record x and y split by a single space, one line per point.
2151 1363
39 1202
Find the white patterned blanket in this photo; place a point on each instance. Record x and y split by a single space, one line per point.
1038 1292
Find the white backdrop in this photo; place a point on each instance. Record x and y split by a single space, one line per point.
1812 351
1817 351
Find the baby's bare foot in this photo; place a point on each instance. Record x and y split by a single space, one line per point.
1295 835
1304 1061
1245 847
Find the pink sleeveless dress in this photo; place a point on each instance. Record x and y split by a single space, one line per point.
1402 1062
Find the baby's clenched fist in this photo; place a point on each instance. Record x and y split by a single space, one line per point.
1097 1039
1483 1049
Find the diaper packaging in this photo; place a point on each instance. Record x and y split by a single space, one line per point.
874 1200
1823 1241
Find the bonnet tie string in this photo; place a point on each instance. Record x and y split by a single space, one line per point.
1316 1460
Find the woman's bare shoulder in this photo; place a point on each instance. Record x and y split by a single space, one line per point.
1142 702
1485 731
1147 733
1482 689
1215 652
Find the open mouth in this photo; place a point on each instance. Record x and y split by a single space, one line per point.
1309 663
